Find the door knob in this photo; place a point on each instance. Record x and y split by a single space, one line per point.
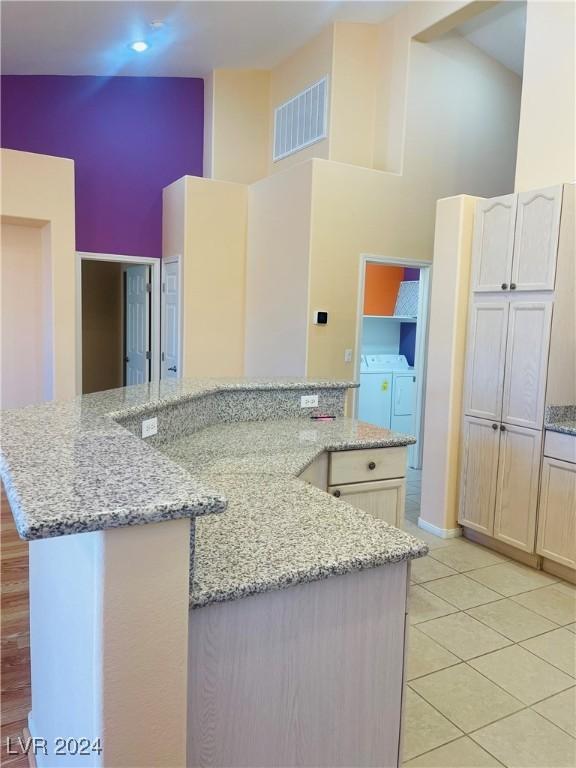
504 286
172 368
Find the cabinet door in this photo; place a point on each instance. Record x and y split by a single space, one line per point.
526 363
383 499
485 359
536 239
493 243
479 471
517 492
557 516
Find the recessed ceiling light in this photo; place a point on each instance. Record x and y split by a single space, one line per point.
139 46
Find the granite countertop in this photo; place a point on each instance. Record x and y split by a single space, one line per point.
69 467
561 418
277 529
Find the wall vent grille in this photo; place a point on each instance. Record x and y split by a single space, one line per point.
302 120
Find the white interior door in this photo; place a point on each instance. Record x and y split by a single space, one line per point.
171 320
137 358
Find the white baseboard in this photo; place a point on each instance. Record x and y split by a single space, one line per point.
443 533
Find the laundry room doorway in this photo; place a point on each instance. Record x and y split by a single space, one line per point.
392 333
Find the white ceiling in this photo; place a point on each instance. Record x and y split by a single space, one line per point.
500 32
92 38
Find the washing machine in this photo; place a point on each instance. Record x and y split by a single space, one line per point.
387 395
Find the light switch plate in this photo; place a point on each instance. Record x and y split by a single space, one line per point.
149 427
309 401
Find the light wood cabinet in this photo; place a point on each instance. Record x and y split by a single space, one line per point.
536 239
517 488
493 243
515 241
383 499
485 360
481 440
557 515
527 346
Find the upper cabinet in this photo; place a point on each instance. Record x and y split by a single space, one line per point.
494 243
536 239
516 241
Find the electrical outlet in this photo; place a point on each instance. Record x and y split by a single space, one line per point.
149 427
309 401
347 355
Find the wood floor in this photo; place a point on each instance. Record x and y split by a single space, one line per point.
15 636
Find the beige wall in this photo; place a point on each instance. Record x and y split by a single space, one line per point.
239 131
205 223
445 365
561 385
547 138
26 317
38 190
278 253
304 67
353 93
102 326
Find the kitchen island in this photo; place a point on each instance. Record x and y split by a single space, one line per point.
310 675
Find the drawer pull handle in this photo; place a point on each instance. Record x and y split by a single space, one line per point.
372 465
337 494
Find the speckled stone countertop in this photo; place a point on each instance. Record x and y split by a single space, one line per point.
277 529
561 418
69 467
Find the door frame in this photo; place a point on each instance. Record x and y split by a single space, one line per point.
171 260
421 350
154 265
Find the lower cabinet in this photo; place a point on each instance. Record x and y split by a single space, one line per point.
372 479
481 440
499 485
517 488
557 516
383 499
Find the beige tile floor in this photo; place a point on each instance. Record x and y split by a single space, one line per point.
491 677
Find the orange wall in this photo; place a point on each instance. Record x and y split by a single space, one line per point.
381 289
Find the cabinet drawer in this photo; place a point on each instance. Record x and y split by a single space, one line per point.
557 445
367 464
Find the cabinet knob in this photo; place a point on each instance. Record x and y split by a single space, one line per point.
494 426
372 465
337 494
502 428
504 286
512 286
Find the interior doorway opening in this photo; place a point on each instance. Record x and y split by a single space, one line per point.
118 321
392 339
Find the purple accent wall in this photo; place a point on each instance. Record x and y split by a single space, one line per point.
128 136
408 330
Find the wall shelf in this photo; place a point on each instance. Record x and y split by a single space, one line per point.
398 318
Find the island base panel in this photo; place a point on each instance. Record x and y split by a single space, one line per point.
305 676
109 624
